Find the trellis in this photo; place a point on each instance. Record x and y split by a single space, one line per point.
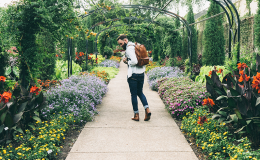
231 13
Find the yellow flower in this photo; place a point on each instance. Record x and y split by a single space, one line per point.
203 147
19 153
4 151
1 157
210 153
235 156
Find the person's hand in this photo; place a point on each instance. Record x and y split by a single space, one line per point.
125 60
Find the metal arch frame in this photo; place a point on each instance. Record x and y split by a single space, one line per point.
222 3
235 18
107 29
160 11
145 37
95 49
115 19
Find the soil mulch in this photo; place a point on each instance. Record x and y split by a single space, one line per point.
71 138
192 142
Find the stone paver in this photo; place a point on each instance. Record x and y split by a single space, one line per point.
113 135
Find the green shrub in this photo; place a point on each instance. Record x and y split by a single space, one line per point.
214 42
190 19
3 62
108 52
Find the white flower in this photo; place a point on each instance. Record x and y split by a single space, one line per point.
49 151
6 128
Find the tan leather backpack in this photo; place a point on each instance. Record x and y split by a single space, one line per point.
141 54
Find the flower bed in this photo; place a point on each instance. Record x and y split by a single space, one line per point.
110 70
109 63
116 58
181 95
77 95
43 140
214 139
160 72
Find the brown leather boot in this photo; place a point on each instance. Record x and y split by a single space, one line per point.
136 117
147 114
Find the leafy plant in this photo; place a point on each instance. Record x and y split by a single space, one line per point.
61 69
18 108
237 101
205 70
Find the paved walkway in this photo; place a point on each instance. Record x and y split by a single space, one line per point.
114 136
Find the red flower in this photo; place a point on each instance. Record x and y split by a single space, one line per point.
6 96
2 78
57 55
91 54
244 77
256 82
202 120
208 101
210 72
241 66
220 71
35 89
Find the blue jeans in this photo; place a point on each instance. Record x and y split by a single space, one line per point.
136 82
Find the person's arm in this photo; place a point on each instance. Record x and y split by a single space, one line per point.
132 60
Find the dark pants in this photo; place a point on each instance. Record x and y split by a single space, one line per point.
136 82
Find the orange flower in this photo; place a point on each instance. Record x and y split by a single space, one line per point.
202 120
57 55
220 71
244 77
208 101
6 96
2 78
210 72
241 66
256 82
35 90
241 72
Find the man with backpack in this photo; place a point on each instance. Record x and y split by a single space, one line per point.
135 76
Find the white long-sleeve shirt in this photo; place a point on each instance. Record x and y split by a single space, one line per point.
132 60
